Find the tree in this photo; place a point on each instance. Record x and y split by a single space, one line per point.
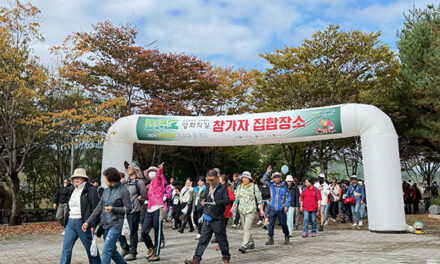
419 49
333 67
22 94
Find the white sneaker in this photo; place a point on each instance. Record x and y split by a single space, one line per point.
259 222
355 225
326 223
334 220
63 233
198 236
360 223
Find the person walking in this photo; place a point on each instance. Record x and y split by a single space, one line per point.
294 204
310 204
417 199
357 191
335 195
234 186
426 195
60 202
342 206
176 207
248 196
265 194
198 195
138 194
214 205
186 206
114 204
153 218
325 191
81 203
97 184
279 204
223 179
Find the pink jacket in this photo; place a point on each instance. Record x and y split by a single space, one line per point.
157 186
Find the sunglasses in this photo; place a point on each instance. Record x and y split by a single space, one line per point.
276 176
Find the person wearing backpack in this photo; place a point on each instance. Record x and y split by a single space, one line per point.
247 197
357 191
310 203
138 194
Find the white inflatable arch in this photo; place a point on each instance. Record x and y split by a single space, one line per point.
378 137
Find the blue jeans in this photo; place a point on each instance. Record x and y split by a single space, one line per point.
356 211
109 251
309 215
72 232
290 214
363 211
327 207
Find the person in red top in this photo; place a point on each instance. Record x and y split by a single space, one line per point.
224 180
310 202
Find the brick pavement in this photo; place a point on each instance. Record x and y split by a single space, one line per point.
340 246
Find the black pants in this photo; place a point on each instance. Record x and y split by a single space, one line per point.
152 220
218 228
187 217
196 215
334 210
282 219
176 217
237 218
416 206
133 221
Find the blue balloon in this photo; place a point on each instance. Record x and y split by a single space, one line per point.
285 169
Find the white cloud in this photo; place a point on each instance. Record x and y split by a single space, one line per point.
228 32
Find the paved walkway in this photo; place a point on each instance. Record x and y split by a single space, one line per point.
343 246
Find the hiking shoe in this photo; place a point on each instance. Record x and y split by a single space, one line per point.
250 246
354 225
191 229
124 252
63 233
154 258
130 257
326 223
321 228
242 249
192 261
259 222
269 241
286 240
180 231
234 226
305 235
313 234
198 237
360 223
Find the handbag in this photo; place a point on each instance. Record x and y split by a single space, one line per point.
163 211
99 230
350 200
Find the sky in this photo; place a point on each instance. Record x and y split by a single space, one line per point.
228 33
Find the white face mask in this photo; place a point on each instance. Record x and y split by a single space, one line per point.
152 174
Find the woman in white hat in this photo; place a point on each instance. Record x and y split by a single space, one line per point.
82 202
293 211
245 197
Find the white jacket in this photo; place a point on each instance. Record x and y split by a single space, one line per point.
325 190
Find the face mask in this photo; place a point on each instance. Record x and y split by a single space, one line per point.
152 174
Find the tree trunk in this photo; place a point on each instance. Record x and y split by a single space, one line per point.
16 208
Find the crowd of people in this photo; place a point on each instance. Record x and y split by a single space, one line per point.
142 200
415 195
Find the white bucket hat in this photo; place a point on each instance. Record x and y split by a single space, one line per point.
289 178
247 175
321 175
79 173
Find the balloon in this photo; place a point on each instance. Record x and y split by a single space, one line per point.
285 169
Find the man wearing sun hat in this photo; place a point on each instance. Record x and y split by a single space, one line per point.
279 204
246 195
82 202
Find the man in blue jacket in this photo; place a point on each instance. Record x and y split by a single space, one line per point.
279 204
357 191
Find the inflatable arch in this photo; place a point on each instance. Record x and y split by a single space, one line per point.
378 138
